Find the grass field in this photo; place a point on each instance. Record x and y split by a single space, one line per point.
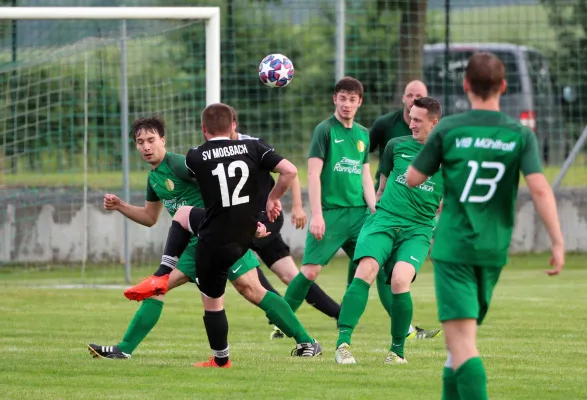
532 342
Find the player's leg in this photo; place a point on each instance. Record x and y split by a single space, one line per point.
463 296
276 255
373 248
276 309
213 263
141 324
178 239
317 253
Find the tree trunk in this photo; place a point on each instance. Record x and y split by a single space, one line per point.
411 43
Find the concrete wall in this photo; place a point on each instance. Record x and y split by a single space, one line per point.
49 226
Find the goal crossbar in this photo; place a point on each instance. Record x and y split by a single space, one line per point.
210 14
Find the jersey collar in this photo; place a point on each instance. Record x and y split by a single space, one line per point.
219 138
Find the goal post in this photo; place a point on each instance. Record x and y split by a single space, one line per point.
49 112
210 14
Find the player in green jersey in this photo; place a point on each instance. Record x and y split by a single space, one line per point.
396 123
389 126
482 153
340 188
170 186
396 238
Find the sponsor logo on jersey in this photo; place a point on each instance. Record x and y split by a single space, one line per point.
169 185
349 166
360 146
427 186
485 143
172 205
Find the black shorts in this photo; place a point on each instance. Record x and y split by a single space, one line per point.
195 218
271 248
212 264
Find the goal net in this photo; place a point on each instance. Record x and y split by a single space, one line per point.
69 89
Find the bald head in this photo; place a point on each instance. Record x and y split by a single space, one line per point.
414 90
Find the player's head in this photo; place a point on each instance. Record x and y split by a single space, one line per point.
484 76
218 120
348 96
414 90
149 136
424 116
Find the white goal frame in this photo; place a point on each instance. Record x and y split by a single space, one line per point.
210 14
212 17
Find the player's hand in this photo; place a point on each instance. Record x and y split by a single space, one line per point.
273 209
317 227
111 202
557 260
261 231
298 217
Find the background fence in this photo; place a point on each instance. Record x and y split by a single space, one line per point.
60 105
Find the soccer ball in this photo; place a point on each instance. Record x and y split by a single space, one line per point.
276 70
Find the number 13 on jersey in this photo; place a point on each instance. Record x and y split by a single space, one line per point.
473 180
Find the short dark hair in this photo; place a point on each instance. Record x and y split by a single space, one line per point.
485 73
151 124
432 105
350 85
217 118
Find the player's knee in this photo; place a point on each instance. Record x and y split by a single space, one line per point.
182 215
401 277
213 304
311 271
367 270
251 289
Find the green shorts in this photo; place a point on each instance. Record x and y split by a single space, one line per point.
343 226
463 291
187 263
389 244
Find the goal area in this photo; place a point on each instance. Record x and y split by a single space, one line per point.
72 80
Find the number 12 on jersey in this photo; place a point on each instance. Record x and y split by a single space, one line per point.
221 174
473 180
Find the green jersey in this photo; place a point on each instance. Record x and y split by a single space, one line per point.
481 153
171 184
344 151
408 206
388 126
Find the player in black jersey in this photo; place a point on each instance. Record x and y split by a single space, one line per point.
228 172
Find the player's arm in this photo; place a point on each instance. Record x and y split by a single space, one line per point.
147 215
368 188
544 201
271 161
298 215
317 154
376 134
385 167
427 162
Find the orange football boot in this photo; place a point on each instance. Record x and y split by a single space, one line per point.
211 363
152 286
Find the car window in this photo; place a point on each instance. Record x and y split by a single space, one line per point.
539 76
434 70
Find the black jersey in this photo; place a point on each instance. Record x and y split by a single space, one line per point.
228 173
266 181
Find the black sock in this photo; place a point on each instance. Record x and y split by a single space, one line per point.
177 240
322 302
217 329
267 285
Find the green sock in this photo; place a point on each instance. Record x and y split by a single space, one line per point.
402 311
384 291
277 310
144 320
449 385
297 290
353 306
472 380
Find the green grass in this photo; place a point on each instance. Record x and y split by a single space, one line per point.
532 342
576 177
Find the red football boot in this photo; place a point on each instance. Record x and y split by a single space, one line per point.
211 363
152 286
